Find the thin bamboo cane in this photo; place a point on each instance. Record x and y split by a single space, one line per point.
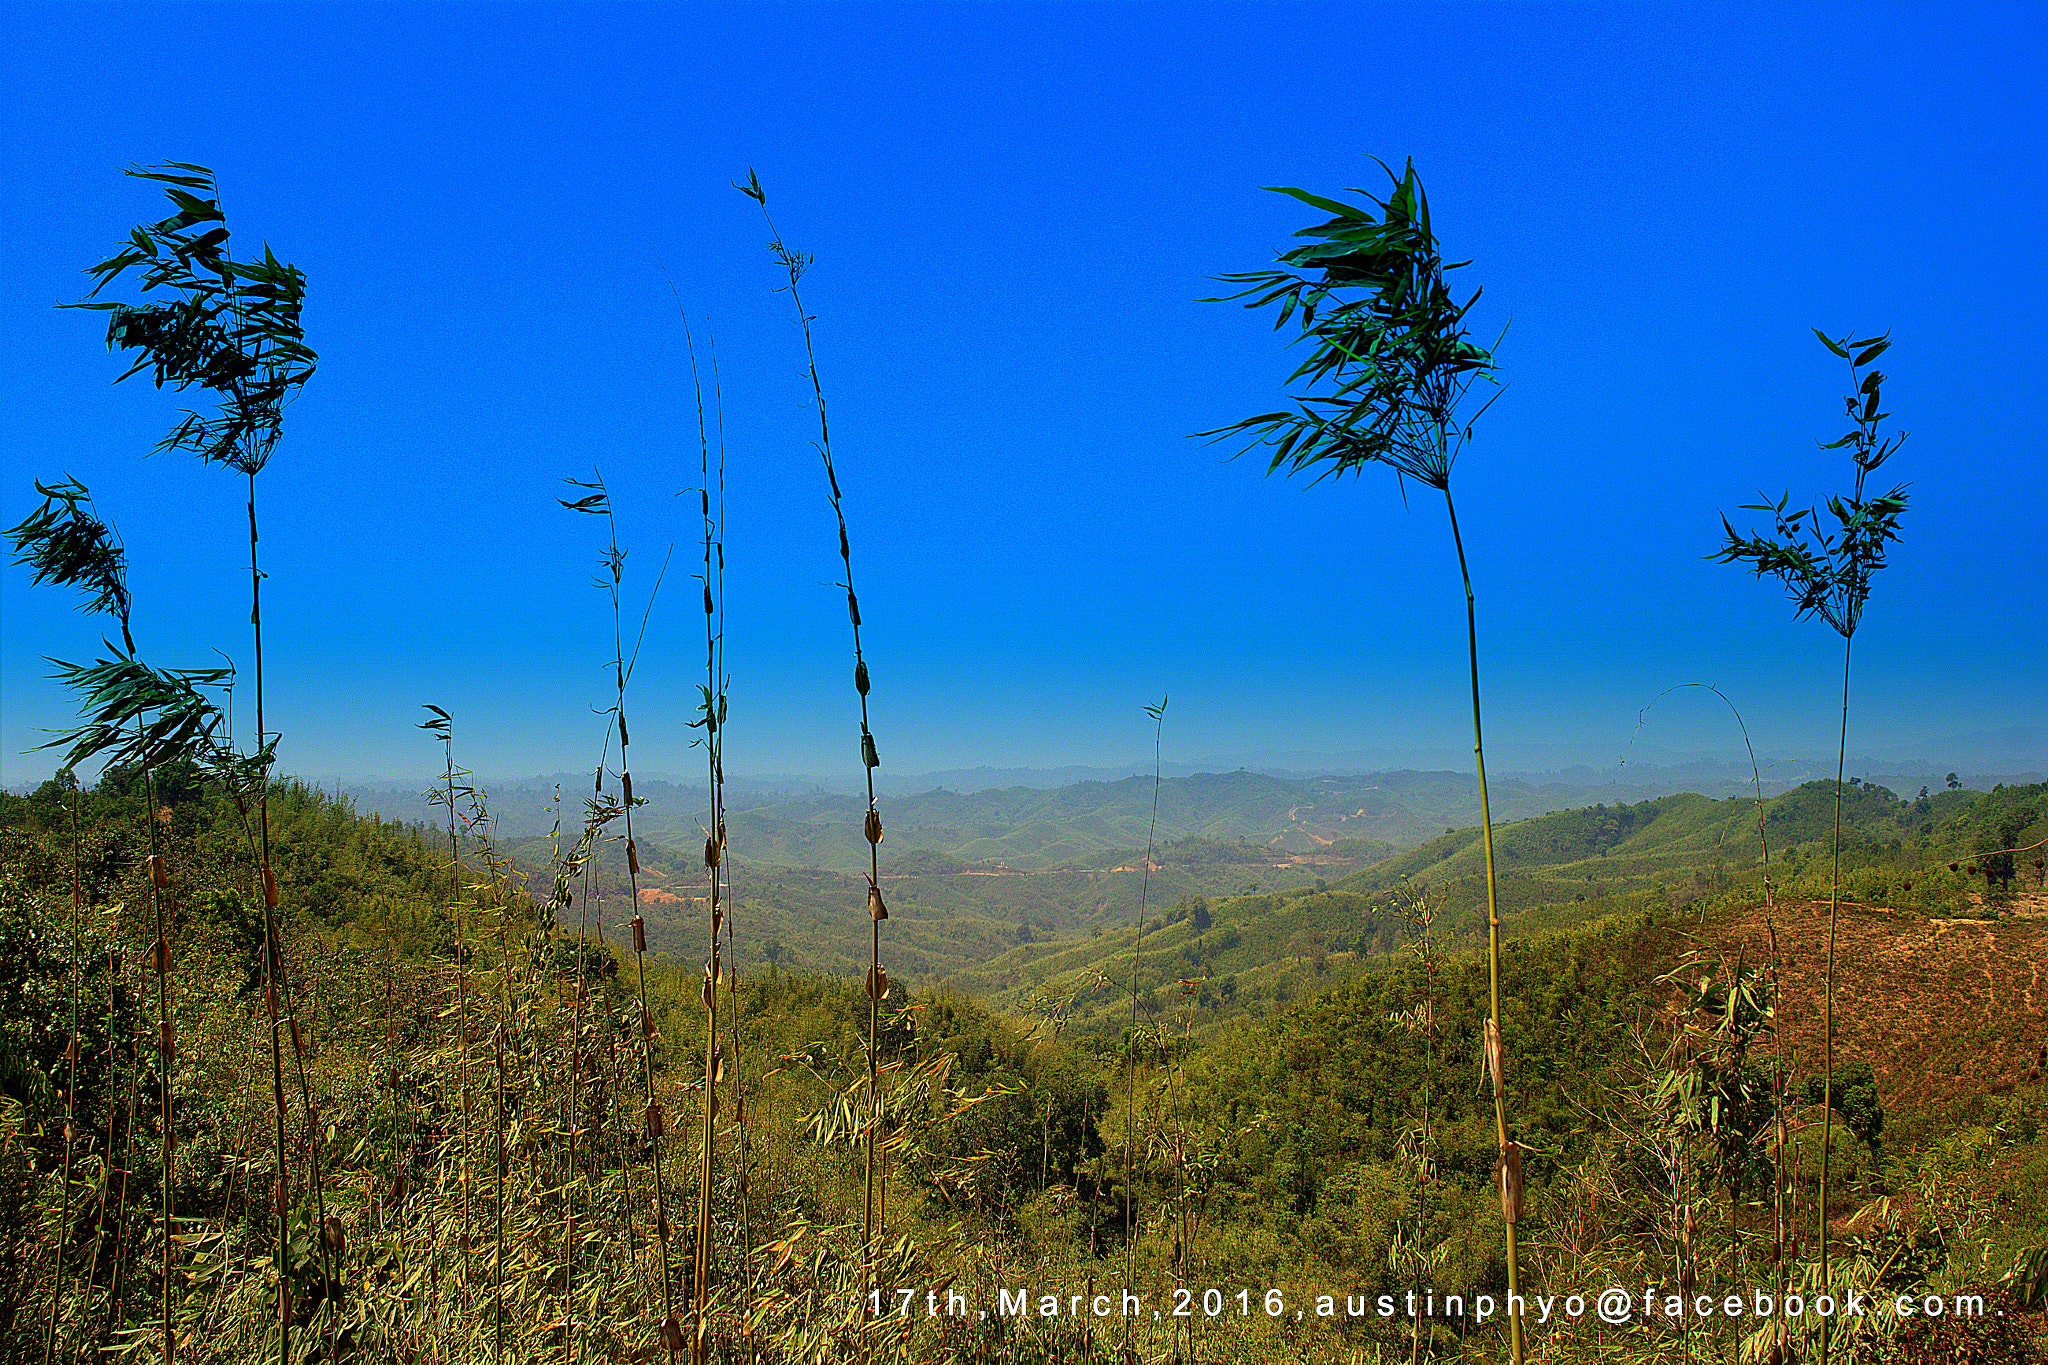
1510 1152
160 953
70 1096
874 1214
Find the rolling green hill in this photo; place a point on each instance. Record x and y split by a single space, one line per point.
1554 871
945 915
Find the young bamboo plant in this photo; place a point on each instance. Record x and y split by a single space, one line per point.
1389 370
794 263
581 1055
597 502
1780 1187
1827 574
711 719
235 330
441 730
67 543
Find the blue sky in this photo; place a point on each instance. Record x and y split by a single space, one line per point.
1013 210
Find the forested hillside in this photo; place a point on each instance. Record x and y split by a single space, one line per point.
1286 1104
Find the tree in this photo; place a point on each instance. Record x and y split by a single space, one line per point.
1389 370
1827 574
1953 785
1997 850
1198 911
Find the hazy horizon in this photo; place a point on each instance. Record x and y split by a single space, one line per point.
2017 754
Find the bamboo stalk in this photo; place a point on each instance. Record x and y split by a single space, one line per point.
1827 1121
1510 1153
160 953
875 1204
1158 714
70 1095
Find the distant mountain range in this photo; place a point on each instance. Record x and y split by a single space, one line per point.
1039 818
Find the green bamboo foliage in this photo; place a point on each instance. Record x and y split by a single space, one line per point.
1827 573
597 502
875 1204
231 327
68 544
1390 368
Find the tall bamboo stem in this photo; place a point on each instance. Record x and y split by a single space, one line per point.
1827 1122
875 1206
273 959
1510 1155
157 881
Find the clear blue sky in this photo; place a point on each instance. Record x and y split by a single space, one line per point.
1013 210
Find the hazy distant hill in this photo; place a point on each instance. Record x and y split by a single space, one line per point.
1552 871
1024 826
1029 828
944 915
1033 828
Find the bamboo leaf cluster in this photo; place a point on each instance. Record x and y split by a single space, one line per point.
1827 571
1390 358
235 329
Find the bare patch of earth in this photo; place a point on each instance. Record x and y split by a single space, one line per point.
1943 1010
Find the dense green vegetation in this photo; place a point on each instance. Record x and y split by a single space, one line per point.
1281 1099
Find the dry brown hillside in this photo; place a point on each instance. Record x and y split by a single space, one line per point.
1945 1011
